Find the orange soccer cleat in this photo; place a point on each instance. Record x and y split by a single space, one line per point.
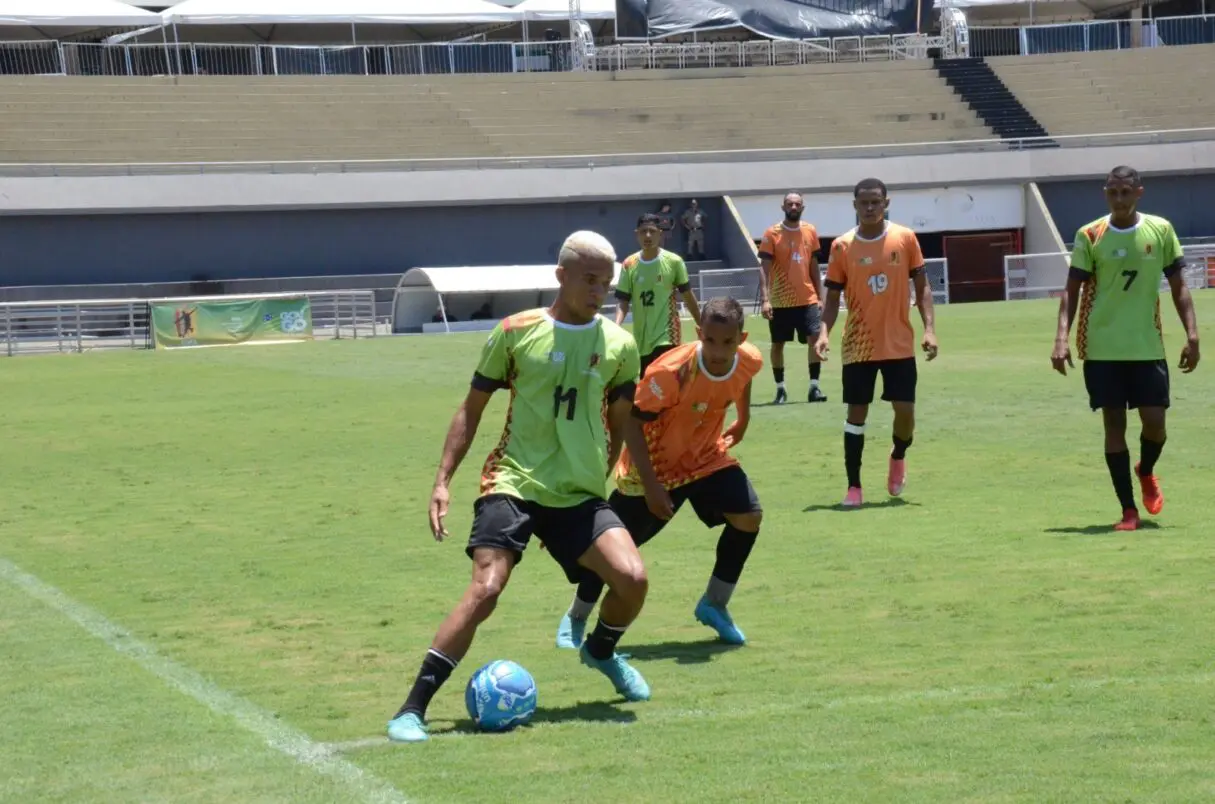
1129 521
1153 498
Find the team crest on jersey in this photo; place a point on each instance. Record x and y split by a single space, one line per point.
700 407
1147 249
594 360
894 258
866 261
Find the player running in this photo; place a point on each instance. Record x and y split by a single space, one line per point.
874 265
1118 261
790 288
652 277
565 366
683 400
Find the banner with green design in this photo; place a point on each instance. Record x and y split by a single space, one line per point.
192 323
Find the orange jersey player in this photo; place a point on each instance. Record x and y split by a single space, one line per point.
874 266
790 291
682 401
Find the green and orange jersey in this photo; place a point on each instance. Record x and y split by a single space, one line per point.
875 277
791 250
1119 317
685 408
650 287
561 377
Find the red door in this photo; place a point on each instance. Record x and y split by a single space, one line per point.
976 265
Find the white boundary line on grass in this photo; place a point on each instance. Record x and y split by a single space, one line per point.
278 735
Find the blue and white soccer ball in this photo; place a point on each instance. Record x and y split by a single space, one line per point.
500 696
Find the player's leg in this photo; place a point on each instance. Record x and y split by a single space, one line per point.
1150 395
780 332
899 379
501 529
726 497
812 325
859 382
1107 385
642 526
591 536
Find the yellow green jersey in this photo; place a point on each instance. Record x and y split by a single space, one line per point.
1122 269
650 288
561 377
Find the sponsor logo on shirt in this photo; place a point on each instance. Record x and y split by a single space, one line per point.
700 407
557 357
656 389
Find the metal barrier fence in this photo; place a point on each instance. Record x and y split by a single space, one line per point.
1082 37
89 324
1041 276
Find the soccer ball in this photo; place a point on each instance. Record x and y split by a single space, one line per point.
500 696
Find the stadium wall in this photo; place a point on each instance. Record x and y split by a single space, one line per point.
604 181
1185 200
1041 234
82 249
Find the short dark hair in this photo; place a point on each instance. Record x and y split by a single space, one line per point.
792 192
1124 173
723 310
649 219
869 184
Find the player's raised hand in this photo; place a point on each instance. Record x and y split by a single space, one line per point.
1061 357
765 309
439 499
822 346
1189 357
929 345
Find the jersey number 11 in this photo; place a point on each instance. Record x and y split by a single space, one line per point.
570 398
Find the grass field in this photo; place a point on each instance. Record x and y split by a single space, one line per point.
257 516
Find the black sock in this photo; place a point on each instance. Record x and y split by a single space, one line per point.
601 644
815 370
900 448
779 373
854 445
436 669
1120 472
733 548
1149 453
590 587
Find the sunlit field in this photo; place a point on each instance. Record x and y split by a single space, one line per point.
254 521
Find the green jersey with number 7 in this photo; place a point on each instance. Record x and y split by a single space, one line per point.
1119 315
554 447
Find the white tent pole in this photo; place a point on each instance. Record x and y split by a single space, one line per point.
354 39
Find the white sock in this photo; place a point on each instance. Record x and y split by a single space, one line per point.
814 383
580 609
781 385
719 592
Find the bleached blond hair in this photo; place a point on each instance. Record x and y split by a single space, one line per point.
585 245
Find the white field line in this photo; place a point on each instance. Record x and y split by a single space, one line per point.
359 784
944 694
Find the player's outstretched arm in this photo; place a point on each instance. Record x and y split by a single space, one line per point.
690 302
459 436
831 312
1184 303
623 425
1061 357
928 314
735 432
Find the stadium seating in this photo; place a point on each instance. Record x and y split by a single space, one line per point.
71 119
1116 90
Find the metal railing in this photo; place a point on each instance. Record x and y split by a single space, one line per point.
1093 35
1107 139
1041 276
82 325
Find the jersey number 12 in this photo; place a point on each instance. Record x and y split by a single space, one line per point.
570 398
647 298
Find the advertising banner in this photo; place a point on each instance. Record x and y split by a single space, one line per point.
185 323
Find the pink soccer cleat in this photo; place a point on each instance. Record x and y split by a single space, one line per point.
896 478
853 498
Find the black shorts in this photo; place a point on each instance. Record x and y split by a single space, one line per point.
646 360
1127 384
898 381
728 491
508 523
804 322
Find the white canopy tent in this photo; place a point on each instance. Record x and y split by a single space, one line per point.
1031 12
424 293
392 12
73 14
560 9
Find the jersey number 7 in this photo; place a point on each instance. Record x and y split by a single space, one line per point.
570 398
1130 277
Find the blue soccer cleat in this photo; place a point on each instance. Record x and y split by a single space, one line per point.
408 728
627 681
570 632
717 618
